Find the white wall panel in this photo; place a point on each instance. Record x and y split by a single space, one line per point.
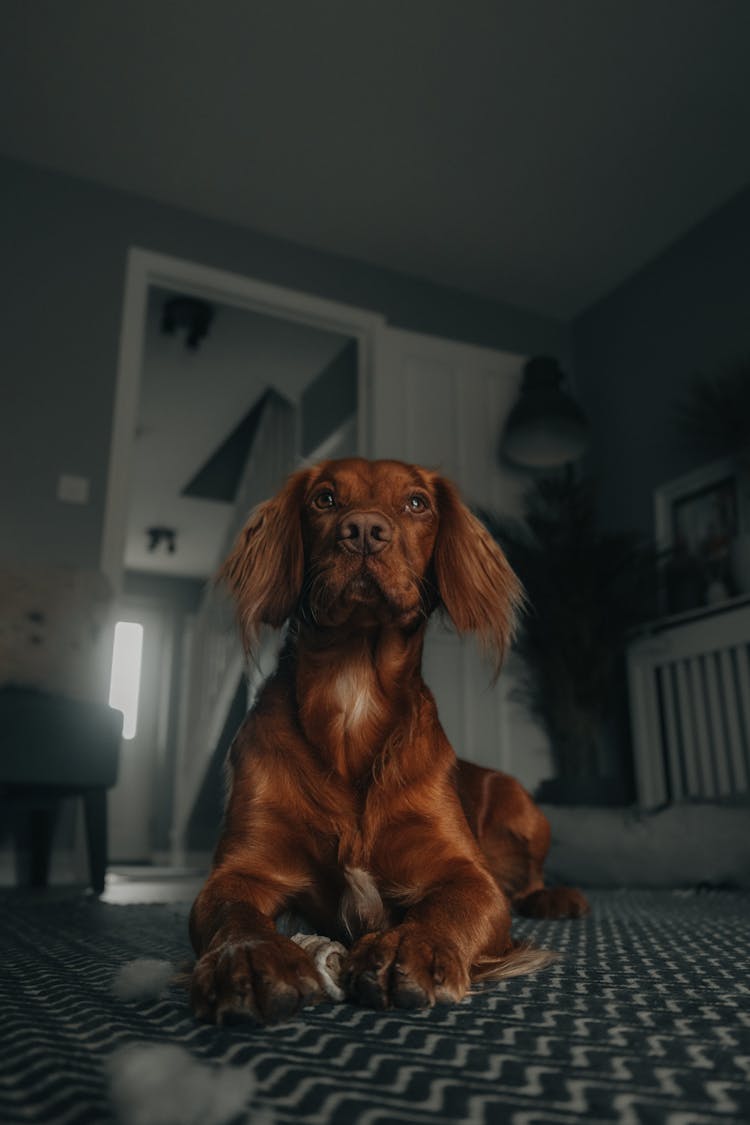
444 673
443 404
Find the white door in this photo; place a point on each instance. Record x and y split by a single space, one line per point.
443 404
132 802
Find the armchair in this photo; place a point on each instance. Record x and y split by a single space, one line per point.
58 738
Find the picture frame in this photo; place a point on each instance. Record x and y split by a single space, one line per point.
687 494
696 518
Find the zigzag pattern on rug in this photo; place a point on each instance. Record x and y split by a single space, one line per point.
645 1018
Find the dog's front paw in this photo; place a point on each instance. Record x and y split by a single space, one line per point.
405 968
266 979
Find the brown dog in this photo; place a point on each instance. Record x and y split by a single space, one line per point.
347 803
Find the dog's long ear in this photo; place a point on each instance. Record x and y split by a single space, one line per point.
476 584
265 569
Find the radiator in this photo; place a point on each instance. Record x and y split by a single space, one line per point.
689 685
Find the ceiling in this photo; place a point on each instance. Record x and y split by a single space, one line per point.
537 152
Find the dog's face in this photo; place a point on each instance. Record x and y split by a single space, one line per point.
361 544
369 530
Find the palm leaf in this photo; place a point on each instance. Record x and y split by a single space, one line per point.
586 589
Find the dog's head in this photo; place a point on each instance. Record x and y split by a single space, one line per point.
362 544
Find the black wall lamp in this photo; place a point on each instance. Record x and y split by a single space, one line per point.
158 535
546 428
190 313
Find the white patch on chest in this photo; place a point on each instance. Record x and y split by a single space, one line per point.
361 909
354 693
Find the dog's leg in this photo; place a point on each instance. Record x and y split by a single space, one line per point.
514 835
448 927
245 968
552 902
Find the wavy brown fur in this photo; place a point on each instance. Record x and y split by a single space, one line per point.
347 805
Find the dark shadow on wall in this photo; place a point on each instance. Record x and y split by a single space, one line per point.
206 817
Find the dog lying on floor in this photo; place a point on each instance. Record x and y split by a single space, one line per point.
347 803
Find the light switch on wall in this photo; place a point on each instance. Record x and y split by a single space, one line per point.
73 490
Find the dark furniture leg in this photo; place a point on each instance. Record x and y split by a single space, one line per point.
43 820
95 809
54 748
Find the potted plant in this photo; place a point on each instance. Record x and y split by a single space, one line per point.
586 588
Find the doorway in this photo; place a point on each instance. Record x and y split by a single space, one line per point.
183 409
144 270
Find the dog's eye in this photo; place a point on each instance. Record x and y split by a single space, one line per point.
416 503
325 499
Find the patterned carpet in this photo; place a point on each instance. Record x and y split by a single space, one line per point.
646 1018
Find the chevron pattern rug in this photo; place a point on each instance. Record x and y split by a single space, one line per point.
645 1018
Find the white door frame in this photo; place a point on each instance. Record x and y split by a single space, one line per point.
145 268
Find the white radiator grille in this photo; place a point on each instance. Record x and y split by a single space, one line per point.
690 708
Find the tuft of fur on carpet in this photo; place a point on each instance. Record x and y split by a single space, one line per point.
142 979
162 1084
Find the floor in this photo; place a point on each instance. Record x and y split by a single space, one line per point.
125 885
643 1020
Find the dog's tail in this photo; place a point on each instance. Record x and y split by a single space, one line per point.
521 958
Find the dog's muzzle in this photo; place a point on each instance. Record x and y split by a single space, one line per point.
364 533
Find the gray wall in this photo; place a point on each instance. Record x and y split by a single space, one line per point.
329 400
64 247
687 311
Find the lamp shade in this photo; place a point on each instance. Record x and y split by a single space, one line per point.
546 428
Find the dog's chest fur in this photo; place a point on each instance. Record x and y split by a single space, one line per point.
351 705
361 907
355 697
344 711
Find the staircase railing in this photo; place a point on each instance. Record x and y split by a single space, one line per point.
216 661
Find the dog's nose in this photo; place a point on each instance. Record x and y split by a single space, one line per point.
364 533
